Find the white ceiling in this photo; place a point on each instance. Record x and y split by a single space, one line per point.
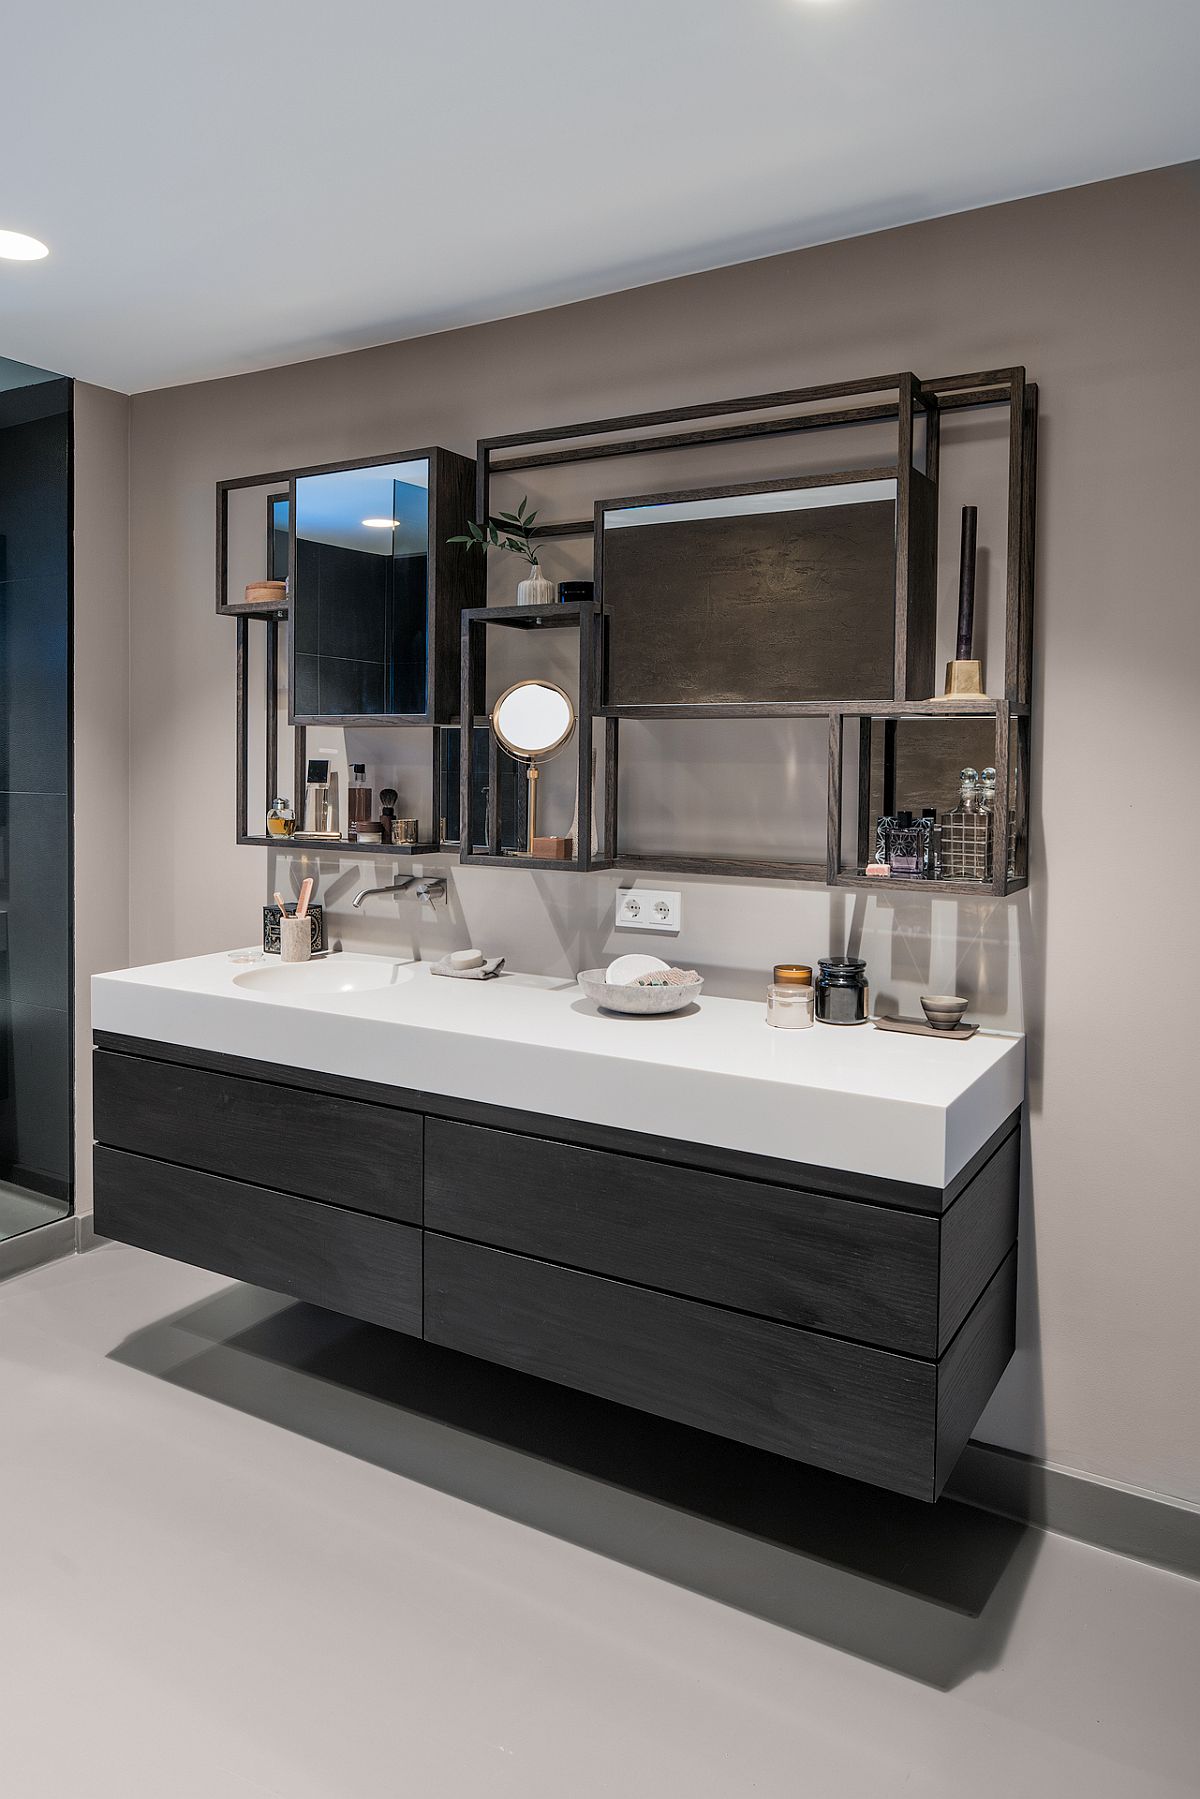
228 184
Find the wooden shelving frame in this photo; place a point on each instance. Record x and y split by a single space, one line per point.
901 398
582 616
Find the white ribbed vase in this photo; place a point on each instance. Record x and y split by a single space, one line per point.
535 590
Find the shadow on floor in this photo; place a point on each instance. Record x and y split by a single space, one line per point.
928 1591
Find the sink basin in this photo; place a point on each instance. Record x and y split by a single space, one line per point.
335 974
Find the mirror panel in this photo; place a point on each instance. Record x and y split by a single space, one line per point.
360 592
533 719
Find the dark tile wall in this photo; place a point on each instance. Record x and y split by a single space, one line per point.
360 624
35 819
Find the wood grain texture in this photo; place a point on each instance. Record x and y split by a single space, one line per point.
808 1259
859 1411
977 1232
971 1367
833 811
921 631
804 1176
459 576
367 1267
1018 446
769 606
353 1154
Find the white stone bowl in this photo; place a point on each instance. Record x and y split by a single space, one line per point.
634 1000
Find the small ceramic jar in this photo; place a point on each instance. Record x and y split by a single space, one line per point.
790 1005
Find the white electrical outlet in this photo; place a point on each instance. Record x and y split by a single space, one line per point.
648 909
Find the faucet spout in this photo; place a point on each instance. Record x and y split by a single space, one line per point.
425 890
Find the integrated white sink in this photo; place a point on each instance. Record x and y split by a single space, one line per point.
333 974
870 1102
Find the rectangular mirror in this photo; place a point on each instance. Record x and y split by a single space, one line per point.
377 588
771 592
360 592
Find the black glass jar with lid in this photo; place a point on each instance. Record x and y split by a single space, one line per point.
843 995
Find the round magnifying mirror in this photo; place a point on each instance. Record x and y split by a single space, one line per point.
532 720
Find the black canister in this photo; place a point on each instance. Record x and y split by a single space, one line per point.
842 991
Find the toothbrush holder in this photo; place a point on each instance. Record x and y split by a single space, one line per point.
295 939
316 919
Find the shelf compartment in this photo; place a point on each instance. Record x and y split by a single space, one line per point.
583 617
880 764
672 788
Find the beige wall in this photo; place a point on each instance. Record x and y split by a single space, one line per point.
1094 290
101 725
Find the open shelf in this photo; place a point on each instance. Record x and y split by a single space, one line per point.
958 889
341 846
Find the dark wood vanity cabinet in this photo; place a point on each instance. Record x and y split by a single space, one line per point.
847 1321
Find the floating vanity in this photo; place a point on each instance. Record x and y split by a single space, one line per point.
804 1241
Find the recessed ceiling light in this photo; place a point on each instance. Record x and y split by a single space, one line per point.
19 248
382 524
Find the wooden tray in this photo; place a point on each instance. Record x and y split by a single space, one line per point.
916 1027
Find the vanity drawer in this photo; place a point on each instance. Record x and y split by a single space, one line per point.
314 1144
367 1267
859 1411
863 1271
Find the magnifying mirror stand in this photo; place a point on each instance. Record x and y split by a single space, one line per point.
532 772
532 720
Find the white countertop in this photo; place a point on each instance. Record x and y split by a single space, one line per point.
870 1102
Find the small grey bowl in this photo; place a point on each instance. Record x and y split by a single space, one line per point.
636 1001
943 1010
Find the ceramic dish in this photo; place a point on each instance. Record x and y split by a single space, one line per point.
636 1001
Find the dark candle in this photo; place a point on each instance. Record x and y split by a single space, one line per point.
966 585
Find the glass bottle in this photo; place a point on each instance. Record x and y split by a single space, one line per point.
281 820
905 847
967 833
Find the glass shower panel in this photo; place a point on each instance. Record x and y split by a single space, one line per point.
35 808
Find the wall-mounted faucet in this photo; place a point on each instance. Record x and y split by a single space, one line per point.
423 889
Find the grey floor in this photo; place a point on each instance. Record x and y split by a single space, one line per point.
22 1211
248 1548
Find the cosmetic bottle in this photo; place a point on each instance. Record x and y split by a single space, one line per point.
967 834
358 799
931 845
281 819
905 845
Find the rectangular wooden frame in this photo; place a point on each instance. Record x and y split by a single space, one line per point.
584 617
602 439
342 846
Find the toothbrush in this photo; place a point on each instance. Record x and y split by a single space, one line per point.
305 896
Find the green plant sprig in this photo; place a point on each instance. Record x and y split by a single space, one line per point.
508 531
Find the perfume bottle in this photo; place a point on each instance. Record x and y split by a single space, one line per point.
931 845
905 846
967 833
281 820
